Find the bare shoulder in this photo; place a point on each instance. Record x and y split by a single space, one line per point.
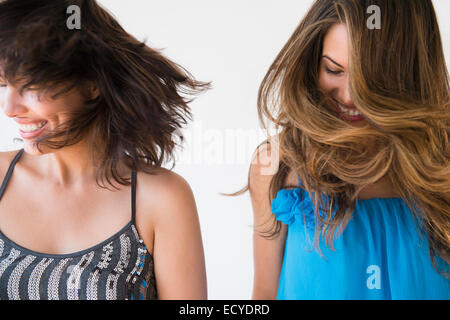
264 166
6 157
165 194
177 242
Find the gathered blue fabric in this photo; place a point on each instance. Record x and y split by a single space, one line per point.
381 254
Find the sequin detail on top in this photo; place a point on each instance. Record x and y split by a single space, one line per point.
92 284
2 245
5 263
142 269
55 278
16 274
113 277
35 278
119 268
73 283
122 269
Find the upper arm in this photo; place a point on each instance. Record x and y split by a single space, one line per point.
268 253
177 249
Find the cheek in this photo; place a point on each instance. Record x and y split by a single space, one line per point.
36 106
326 82
58 108
43 108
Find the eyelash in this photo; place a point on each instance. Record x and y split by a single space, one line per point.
332 72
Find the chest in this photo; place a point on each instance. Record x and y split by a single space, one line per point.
380 189
51 220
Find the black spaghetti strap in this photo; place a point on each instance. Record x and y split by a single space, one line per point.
133 196
9 172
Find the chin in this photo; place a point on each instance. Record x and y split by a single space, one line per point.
361 123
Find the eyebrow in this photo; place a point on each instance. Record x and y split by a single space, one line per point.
325 56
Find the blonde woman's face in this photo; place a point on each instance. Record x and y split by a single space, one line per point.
333 74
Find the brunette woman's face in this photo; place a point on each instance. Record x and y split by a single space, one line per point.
36 115
333 74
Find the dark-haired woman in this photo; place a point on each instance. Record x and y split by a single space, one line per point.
87 211
359 207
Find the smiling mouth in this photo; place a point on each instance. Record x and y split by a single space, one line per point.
347 111
30 128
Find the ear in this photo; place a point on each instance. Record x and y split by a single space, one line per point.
90 90
94 91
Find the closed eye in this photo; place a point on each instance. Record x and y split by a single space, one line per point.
332 71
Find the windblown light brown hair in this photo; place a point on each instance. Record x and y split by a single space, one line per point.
399 82
143 101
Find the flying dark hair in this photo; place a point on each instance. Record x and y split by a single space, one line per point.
143 96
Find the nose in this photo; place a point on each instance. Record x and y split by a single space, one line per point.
344 93
11 101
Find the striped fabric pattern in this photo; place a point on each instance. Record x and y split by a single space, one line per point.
120 269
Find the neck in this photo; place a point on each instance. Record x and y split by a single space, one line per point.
383 188
70 165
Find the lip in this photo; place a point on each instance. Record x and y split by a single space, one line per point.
347 116
23 121
33 134
352 118
345 105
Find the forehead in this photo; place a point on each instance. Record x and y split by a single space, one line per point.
335 44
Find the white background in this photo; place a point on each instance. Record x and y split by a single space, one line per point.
231 43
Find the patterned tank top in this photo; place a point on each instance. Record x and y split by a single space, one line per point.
119 268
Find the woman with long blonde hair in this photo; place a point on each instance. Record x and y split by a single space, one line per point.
359 206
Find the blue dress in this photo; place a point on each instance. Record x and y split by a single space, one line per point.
379 255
